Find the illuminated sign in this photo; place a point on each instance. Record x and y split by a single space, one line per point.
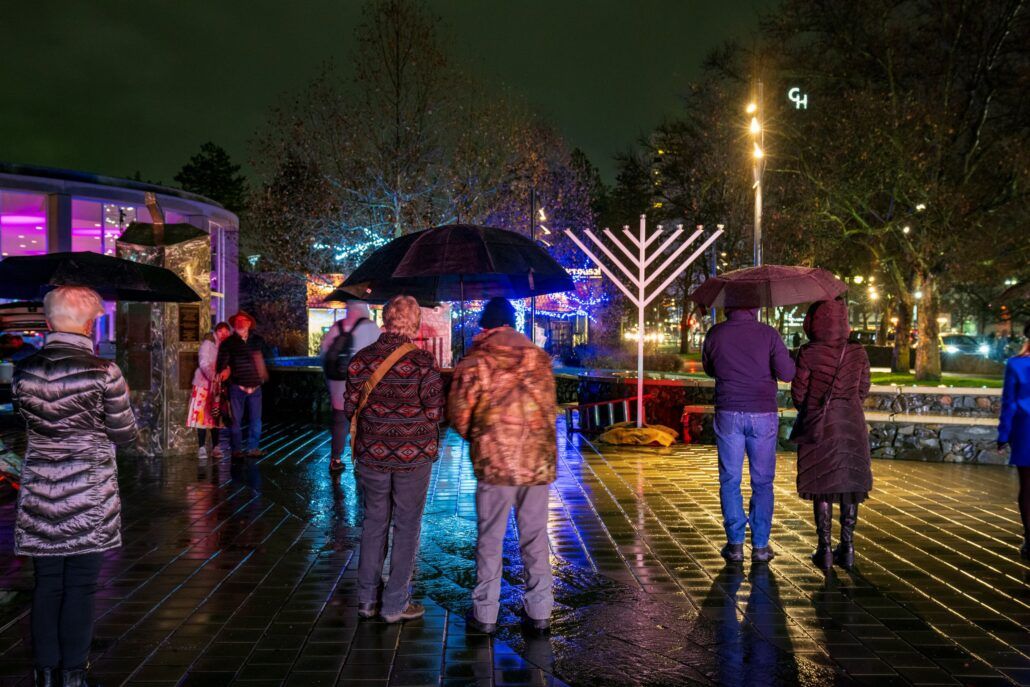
799 99
584 272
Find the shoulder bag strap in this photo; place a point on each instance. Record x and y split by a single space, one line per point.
836 371
372 382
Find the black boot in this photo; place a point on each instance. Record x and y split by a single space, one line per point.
76 678
845 554
823 556
44 677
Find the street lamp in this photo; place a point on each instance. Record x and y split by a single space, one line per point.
757 166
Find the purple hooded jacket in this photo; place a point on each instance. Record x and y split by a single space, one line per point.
746 358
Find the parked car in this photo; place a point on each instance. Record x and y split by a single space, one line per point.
866 338
22 326
964 344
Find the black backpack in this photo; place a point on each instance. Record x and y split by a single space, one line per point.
337 358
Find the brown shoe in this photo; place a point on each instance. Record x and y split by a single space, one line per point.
367 610
412 612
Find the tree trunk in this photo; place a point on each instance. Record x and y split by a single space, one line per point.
902 331
881 330
928 349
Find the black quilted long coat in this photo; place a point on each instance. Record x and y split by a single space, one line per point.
838 464
76 408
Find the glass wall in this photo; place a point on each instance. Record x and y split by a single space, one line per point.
96 226
22 223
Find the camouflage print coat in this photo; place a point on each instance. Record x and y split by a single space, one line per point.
503 401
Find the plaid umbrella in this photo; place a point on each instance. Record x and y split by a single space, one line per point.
768 285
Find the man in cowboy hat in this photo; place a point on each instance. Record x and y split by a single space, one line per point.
240 361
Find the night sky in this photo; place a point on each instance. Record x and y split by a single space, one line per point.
116 87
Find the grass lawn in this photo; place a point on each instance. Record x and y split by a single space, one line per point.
947 380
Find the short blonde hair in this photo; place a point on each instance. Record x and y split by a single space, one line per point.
402 315
70 308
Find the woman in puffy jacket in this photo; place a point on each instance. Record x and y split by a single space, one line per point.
834 466
204 398
76 408
1014 428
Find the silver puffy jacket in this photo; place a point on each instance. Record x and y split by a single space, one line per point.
76 407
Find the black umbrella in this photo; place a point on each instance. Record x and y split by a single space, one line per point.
146 234
31 276
456 262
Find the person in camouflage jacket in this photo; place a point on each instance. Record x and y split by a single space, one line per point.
503 401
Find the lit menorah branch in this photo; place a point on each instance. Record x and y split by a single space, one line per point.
638 272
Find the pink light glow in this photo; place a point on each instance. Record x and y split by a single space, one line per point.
22 219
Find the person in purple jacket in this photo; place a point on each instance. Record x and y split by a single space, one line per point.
746 358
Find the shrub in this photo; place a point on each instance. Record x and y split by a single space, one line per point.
592 356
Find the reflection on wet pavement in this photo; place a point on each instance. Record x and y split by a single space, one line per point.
242 572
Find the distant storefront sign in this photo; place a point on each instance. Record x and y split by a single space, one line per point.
584 272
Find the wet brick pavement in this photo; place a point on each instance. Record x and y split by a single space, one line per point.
243 573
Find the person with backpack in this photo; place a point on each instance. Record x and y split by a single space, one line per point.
503 401
347 336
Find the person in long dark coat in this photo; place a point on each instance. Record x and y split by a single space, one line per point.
834 466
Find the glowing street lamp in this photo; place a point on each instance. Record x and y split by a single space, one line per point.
757 166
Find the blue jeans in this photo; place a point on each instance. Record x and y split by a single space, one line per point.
755 434
240 400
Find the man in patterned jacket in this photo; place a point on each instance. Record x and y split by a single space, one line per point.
503 401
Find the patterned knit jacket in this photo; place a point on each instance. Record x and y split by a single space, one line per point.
399 428
503 401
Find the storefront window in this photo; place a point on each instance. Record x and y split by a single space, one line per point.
22 223
87 226
117 218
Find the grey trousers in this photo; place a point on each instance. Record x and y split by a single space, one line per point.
340 428
493 504
399 497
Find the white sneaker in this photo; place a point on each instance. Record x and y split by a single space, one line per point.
202 453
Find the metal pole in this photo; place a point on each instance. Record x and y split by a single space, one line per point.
640 328
758 216
759 163
532 235
461 315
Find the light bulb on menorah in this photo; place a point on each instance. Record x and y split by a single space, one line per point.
638 273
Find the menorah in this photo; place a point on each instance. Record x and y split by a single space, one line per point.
637 270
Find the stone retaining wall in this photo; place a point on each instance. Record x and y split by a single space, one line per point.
922 401
909 423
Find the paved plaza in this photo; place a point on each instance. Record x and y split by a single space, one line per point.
243 572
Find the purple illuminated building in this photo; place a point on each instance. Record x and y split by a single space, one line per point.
51 210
